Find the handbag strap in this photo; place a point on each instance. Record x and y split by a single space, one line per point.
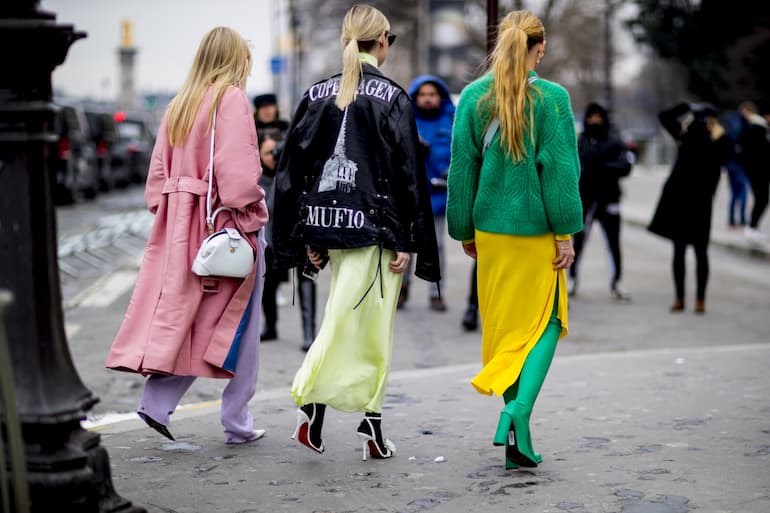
494 126
209 216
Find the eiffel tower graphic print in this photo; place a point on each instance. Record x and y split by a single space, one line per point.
339 171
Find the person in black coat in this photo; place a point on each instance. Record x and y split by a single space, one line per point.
604 160
683 214
351 191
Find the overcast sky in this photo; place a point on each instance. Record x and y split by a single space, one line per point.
166 33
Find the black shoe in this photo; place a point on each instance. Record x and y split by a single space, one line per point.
403 297
471 318
437 304
157 426
306 344
269 334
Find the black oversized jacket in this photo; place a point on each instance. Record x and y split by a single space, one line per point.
354 178
603 161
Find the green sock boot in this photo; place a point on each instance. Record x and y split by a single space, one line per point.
508 396
513 427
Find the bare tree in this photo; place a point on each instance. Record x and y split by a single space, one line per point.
320 27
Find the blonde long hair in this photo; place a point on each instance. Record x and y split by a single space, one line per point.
362 26
223 59
518 32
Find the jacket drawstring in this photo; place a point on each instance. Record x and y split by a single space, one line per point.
377 274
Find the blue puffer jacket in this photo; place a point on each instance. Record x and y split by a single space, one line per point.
437 132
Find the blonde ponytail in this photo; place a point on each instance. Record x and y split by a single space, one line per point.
362 27
351 73
509 94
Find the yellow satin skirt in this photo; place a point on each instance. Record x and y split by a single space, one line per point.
517 288
347 366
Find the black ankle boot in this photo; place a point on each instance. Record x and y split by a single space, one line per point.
307 300
471 318
370 433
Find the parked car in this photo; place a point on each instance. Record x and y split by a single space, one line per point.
135 143
105 135
73 158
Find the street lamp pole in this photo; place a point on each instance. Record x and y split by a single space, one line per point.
66 468
608 54
492 17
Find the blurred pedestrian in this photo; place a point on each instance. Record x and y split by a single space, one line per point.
270 124
683 214
180 326
603 162
267 117
471 316
434 113
514 203
351 189
736 174
268 148
755 157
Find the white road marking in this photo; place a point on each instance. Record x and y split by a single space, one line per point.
71 329
108 291
110 422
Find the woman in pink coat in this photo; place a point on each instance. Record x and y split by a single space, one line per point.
178 325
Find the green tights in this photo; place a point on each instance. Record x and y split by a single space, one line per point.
520 398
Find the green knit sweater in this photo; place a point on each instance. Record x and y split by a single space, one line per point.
497 195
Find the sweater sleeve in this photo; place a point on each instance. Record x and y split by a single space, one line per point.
464 167
559 165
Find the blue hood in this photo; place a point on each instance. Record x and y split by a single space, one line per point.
446 99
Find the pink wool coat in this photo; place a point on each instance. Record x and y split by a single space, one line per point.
172 325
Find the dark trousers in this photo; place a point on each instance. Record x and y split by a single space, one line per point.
701 268
269 306
473 293
608 217
738 192
760 188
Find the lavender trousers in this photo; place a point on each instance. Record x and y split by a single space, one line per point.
162 394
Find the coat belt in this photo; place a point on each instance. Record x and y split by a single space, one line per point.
185 184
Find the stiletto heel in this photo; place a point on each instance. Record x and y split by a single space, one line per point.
304 423
364 440
370 433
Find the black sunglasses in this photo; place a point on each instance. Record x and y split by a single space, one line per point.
391 38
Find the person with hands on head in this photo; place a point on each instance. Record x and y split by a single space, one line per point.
683 213
351 189
514 203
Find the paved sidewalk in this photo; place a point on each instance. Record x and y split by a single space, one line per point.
658 431
641 191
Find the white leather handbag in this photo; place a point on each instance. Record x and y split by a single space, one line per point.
225 252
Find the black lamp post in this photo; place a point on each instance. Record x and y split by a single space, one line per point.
67 469
492 18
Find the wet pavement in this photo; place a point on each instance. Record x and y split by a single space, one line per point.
659 431
643 411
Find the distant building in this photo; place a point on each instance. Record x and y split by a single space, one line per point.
126 60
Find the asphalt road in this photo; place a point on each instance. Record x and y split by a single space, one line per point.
737 305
